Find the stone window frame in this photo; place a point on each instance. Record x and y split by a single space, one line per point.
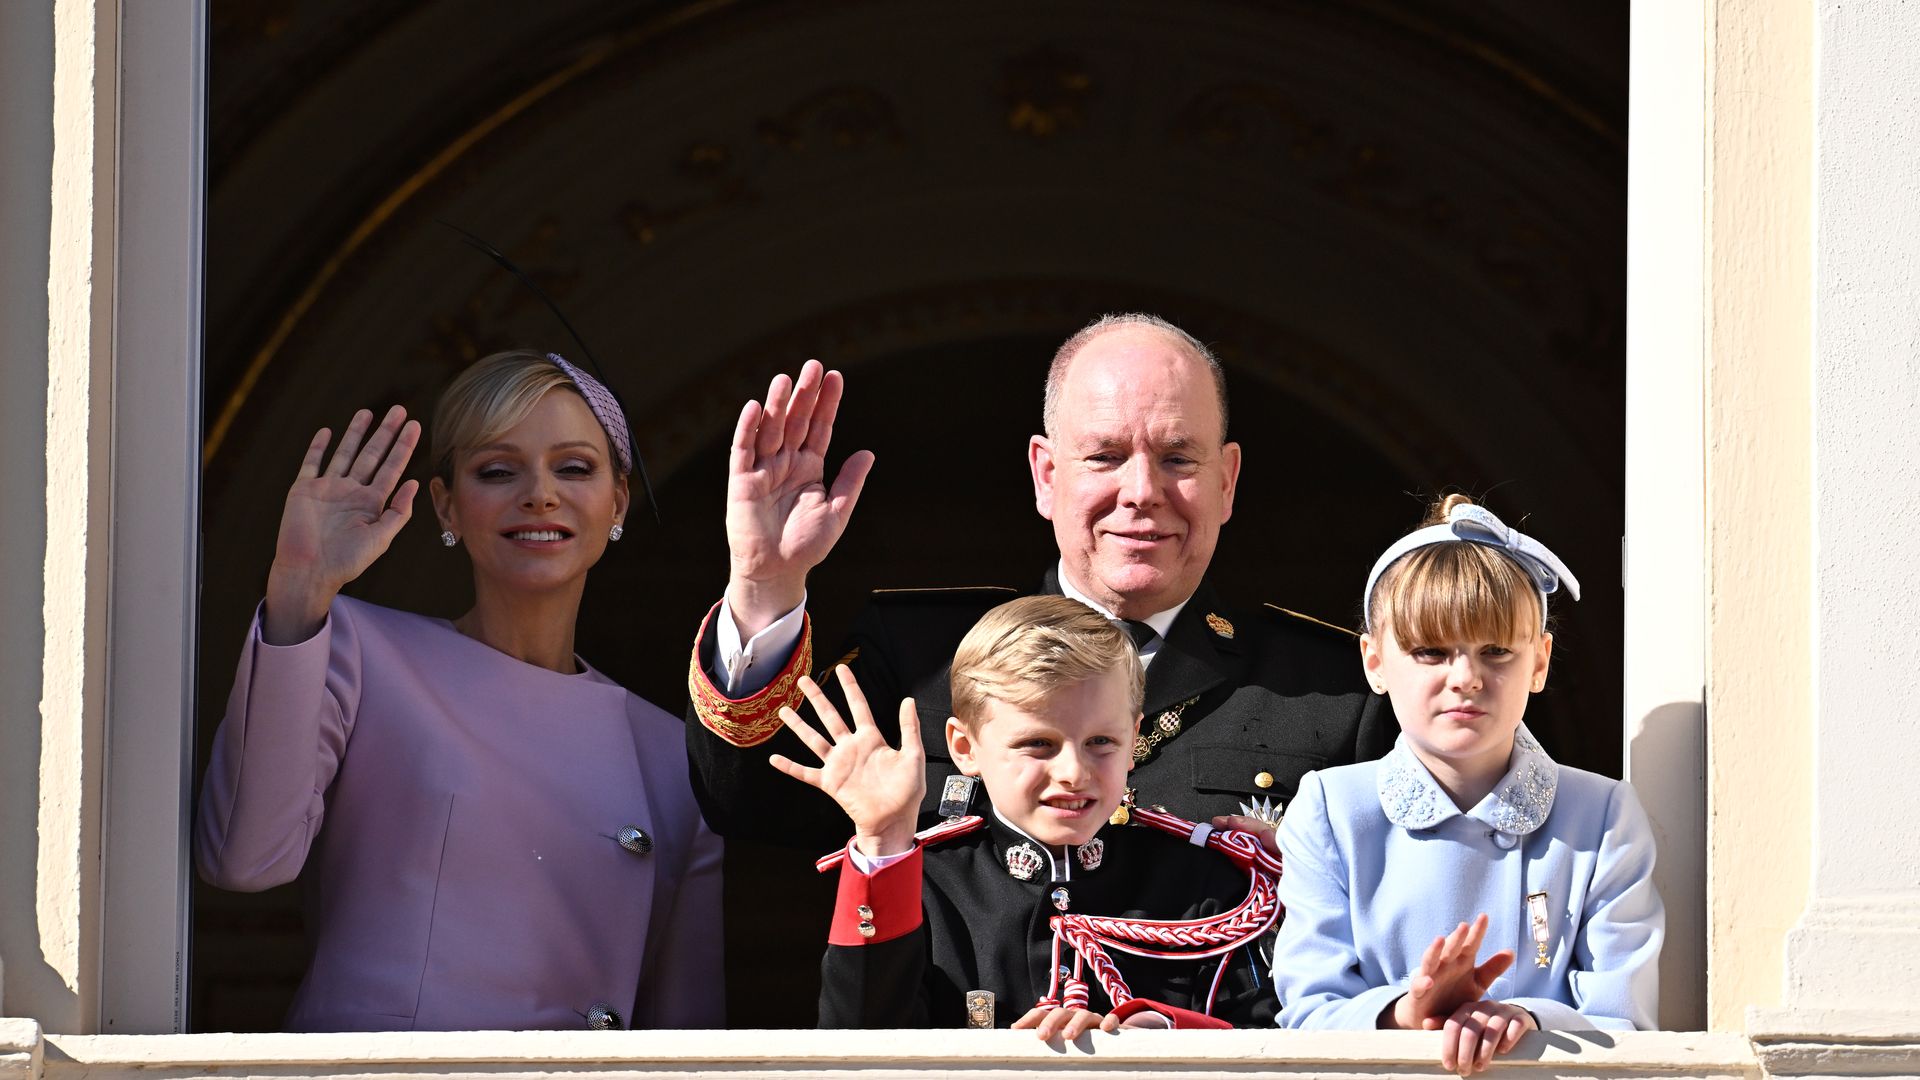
155 476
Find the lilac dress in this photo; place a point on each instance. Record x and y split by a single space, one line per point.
457 813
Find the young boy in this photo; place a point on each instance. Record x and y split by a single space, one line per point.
954 930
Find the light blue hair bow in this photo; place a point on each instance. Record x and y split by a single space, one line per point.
1477 525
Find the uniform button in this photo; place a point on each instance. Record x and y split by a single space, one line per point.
865 928
634 840
1505 841
863 911
601 1017
1263 779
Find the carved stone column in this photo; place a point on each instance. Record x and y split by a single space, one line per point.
1851 1002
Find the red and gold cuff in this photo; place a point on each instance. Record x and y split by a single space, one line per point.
751 720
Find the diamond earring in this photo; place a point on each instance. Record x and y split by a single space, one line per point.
447 539
616 532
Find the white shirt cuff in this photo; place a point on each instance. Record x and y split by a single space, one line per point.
871 865
746 669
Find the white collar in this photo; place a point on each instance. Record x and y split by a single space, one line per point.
1518 804
1161 621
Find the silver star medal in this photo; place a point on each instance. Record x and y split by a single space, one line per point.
1263 808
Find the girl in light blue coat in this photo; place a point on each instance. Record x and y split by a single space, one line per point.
1466 829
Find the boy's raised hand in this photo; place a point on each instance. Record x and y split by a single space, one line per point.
1448 978
878 786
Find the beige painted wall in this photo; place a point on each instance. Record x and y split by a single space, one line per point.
1759 447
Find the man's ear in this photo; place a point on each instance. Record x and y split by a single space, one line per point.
960 746
443 505
1230 466
1040 462
1370 661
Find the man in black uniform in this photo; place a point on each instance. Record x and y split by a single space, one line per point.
1137 476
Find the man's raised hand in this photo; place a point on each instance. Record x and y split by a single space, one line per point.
782 518
879 787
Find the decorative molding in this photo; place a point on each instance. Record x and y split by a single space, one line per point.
1835 1042
22 1049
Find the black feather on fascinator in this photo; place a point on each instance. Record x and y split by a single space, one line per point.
601 397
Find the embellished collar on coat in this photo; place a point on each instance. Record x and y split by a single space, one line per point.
1028 859
1518 804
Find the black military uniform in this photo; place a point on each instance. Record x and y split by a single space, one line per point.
1239 704
907 953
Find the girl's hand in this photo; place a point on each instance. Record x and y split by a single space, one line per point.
1267 832
1478 1030
1062 1023
1448 978
782 519
338 520
879 787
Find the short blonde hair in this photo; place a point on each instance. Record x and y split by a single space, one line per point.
488 399
1026 650
1455 592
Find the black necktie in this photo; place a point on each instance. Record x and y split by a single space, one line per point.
1140 632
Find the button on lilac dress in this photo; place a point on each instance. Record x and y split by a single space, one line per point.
457 814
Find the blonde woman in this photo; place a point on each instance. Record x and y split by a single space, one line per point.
494 835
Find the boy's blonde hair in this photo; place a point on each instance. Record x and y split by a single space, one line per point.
487 399
1026 650
1455 592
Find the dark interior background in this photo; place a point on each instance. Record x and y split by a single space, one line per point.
1400 222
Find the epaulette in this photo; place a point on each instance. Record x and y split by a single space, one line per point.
959 594
1322 623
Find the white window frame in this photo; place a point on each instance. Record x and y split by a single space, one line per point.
154 589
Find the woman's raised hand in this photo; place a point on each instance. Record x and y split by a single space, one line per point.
879 787
782 519
338 520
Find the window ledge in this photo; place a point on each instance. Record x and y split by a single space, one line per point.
27 1055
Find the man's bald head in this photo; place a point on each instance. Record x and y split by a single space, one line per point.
1107 324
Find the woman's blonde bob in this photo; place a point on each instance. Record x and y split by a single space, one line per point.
485 402
1026 650
1455 592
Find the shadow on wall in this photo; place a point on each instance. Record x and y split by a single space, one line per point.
1665 757
26 161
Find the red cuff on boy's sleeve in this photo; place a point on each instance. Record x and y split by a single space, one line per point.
877 907
1183 1019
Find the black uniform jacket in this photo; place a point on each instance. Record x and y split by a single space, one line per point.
1272 695
985 929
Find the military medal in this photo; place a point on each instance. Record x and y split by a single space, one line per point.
1091 853
1023 861
1124 812
956 795
1537 915
1263 808
979 1008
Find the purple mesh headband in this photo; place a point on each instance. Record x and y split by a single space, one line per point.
606 409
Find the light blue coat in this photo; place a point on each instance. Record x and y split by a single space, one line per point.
1379 862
